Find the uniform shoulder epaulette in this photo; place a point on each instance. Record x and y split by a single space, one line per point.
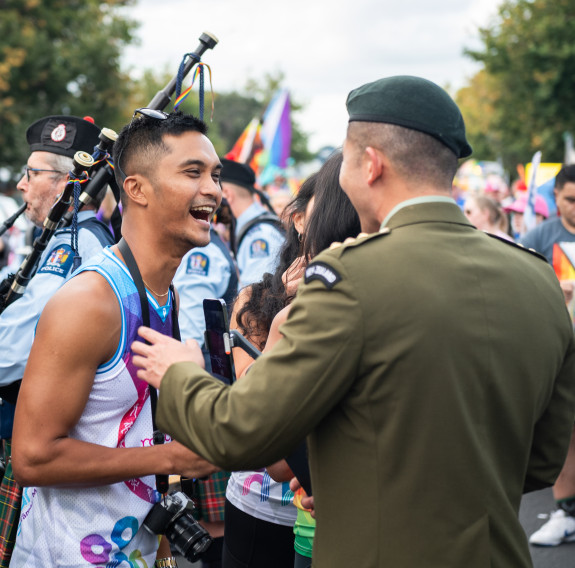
327 274
518 246
360 239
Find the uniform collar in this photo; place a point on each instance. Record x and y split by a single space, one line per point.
250 213
415 201
86 214
425 209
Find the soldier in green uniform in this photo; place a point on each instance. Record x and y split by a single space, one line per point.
430 366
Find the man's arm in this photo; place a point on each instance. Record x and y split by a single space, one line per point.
262 417
73 337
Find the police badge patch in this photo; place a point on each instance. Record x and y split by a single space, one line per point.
259 249
198 263
59 261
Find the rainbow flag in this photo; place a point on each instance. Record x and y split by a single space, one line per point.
248 146
564 260
266 145
276 130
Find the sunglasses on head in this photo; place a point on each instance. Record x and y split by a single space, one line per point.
138 113
150 113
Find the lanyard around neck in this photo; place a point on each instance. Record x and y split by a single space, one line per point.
162 481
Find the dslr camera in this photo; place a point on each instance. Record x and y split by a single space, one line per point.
173 517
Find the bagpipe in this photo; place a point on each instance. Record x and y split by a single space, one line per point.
101 175
7 224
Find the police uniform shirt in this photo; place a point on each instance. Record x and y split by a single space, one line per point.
203 273
259 250
18 321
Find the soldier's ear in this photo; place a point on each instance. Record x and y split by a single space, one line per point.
136 189
374 164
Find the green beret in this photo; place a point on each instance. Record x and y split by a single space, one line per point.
414 103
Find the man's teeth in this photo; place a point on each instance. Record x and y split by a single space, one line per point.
203 209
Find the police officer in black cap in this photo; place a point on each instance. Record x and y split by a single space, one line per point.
53 142
259 234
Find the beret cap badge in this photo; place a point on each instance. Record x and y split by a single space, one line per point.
59 133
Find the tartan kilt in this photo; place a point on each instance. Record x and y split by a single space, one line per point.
10 503
210 496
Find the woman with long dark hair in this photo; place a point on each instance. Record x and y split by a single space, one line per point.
259 515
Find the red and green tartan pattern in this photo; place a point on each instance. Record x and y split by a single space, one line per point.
10 503
211 496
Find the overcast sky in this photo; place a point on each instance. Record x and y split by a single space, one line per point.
325 49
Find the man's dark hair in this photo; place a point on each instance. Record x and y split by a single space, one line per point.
566 174
417 156
140 144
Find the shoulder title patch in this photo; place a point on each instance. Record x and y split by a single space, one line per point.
322 272
59 261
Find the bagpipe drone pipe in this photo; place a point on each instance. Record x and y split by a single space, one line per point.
101 176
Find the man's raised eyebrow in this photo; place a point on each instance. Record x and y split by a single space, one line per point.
198 162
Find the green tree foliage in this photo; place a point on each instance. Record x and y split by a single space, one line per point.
476 102
529 54
59 57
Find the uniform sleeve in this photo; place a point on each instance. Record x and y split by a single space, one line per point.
203 273
19 319
553 430
263 416
259 253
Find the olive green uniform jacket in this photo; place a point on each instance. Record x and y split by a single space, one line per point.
432 369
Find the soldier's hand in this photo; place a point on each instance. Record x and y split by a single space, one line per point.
186 462
154 359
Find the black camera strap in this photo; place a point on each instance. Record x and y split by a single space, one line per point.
162 481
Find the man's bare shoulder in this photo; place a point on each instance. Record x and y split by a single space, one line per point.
88 292
86 311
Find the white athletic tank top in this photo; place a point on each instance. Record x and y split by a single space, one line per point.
101 526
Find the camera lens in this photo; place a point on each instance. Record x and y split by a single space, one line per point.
188 537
